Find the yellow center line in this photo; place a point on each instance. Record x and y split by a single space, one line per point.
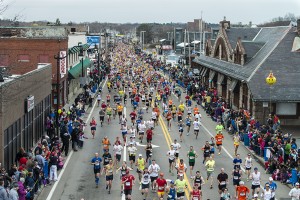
167 135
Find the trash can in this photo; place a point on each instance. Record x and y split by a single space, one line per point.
246 139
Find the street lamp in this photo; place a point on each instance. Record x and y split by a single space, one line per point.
270 80
97 50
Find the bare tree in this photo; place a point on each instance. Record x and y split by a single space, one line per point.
3 6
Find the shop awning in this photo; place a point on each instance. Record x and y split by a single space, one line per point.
232 85
76 70
195 42
182 44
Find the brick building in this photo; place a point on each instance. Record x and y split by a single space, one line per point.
22 48
25 101
238 60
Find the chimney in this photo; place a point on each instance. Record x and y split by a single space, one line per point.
225 24
298 26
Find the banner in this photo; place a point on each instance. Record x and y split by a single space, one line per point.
63 62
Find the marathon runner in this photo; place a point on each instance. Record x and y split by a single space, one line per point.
96 162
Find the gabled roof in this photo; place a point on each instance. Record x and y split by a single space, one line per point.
251 49
285 65
269 36
241 32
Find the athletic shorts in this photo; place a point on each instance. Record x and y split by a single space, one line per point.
127 192
210 174
110 178
145 186
102 118
171 161
248 168
161 193
192 164
153 178
118 157
180 194
119 113
253 187
96 171
221 186
141 133
132 158
219 145
196 130
93 128
236 182
176 155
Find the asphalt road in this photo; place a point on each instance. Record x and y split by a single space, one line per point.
77 180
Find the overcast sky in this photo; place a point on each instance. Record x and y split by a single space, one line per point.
122 11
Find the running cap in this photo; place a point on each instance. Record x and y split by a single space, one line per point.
255 168
270 179
171 182
297 183
140 155
255 195
242 183
181 175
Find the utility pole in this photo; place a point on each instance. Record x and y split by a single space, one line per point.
184 42
200 30
190 64
58 58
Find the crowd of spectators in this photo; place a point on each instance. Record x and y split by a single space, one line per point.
37 167
262 137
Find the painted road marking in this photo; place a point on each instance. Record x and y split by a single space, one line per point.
225 150
70 155
143 145
124 154
169 141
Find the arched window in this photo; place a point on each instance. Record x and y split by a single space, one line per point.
220 50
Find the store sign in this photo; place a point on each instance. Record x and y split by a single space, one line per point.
93 40
29 103
63 62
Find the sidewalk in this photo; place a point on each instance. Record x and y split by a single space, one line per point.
83 117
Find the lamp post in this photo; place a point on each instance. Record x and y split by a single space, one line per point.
96 51
58 58
143 39
270 80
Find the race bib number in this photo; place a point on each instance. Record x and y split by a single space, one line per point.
223 183
242 194
192 157
127 183
160 188
235 177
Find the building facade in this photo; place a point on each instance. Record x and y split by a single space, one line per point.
25 102
22 48
238 60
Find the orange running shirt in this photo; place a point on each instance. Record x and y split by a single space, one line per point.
219 138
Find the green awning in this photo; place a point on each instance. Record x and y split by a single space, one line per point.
76 70
85 46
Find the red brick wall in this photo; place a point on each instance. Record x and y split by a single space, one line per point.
35 48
